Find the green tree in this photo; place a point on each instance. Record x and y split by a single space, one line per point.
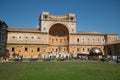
1 54
7 54
4 54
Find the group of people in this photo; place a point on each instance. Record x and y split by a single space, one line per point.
56 55
67 56
100 58
19 58
64 55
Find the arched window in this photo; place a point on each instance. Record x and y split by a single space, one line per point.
78 40
83 49
26 49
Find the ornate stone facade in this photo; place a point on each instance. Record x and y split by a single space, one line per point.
55 34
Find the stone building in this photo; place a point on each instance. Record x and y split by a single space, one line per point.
55 34
3 35
113 48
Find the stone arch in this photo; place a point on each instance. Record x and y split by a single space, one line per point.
58 30
52 24
59 37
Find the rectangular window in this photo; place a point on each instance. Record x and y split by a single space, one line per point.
26 49
38 49
13 49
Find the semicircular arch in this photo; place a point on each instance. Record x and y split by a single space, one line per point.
52 24
58 30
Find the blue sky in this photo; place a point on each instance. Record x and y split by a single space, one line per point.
92 15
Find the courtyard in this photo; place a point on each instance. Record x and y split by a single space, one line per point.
60 70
